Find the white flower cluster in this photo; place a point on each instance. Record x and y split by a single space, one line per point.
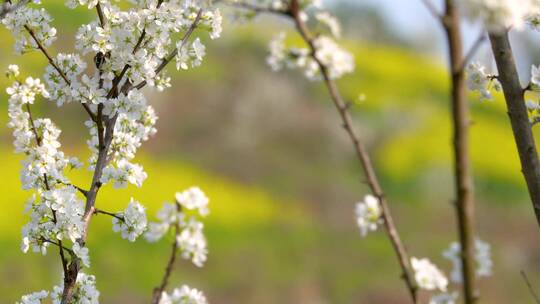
479 80
36 20
55 215
130 48
368 214
85 290
327 52
445 298
34 298
500 14
133 222
189 235
183 295
427 275
336 60
482 257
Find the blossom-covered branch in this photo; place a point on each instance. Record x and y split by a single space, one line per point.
129 47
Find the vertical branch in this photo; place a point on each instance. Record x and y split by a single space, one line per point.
361 153
517 112
158 291
462 168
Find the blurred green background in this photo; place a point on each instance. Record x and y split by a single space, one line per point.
268 150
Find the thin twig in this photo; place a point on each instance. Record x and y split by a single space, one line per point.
158 291
58 244
432 9
254 7
529 285
472 51
115 215
462 167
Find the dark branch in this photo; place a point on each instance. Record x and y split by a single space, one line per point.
519 118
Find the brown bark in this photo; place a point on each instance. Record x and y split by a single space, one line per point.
462 167
517 112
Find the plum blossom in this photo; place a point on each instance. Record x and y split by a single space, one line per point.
82 253
445 298
189 231
368 214
85 290
183 295
133 222
482 256
479 80
499 14
193 198
427 275
34 298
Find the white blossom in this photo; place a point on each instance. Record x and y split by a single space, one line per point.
482 257
34 298
82 253
12 71
368 214
193 198
337 60
277 55
444 298
499 14
192 242
85 291
330 21
479 80
183 295
427 275
133 221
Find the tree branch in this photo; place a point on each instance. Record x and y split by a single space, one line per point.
472 51
531 289
98 211
361 152
517 112
158 291
462 168
432 10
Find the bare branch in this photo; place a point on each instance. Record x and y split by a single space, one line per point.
115 215
472 51
432 10
517 112
462 167
531 289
